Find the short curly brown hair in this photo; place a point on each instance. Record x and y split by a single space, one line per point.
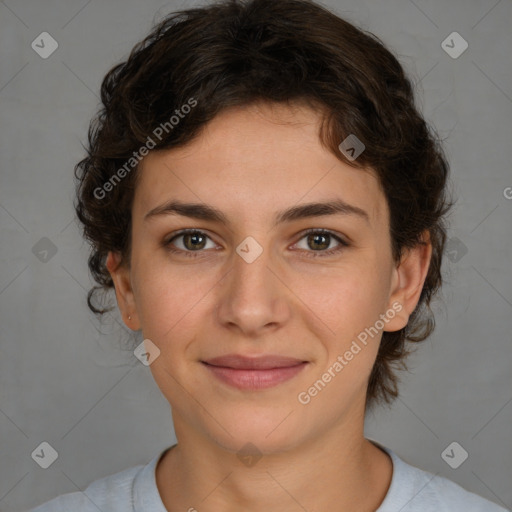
233 53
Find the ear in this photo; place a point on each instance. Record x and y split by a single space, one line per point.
120 274
407 282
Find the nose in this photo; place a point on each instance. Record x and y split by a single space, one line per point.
252 297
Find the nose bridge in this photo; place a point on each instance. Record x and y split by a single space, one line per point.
250 271
252 296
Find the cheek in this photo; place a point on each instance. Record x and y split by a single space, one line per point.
351 305
169 297
344 300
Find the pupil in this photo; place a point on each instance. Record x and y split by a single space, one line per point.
316 237
194 236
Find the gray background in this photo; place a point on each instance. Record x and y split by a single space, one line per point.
73 382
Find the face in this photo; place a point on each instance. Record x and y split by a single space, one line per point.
260 274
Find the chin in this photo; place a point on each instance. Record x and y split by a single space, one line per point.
265 430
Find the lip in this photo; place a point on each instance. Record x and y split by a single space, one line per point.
252 373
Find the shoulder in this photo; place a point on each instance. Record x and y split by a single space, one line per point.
415 490
437 493
451 496
113 493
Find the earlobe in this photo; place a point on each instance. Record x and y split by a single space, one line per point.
408 280
120 274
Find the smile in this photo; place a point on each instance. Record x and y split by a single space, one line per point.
254 373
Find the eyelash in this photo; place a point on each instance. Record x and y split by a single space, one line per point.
167 244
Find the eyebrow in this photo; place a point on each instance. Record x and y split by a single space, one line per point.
207 212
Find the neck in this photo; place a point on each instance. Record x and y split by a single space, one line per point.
337 471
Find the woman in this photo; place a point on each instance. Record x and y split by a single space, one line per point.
269 206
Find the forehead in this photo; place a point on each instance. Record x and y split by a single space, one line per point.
258 158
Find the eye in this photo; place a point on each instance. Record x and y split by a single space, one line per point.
192 242
319 240
188 241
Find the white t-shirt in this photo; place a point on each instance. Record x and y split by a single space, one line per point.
135 490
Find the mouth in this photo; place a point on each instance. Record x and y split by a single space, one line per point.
252 373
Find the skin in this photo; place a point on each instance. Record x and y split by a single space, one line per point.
250 163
